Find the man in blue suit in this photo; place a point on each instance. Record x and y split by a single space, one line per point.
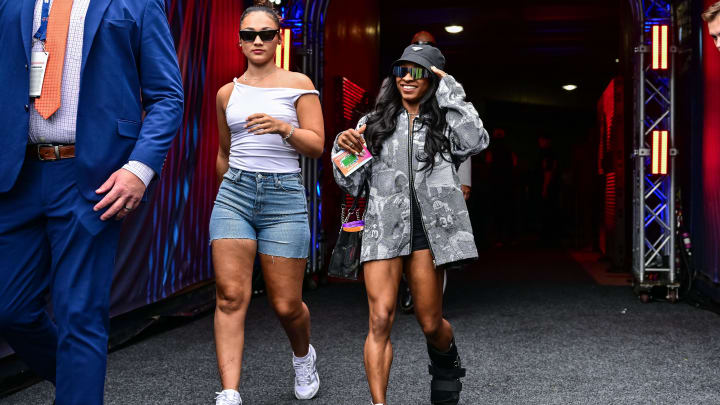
76 157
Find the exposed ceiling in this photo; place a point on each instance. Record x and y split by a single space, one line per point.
515 50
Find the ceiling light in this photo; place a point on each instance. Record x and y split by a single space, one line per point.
454 29
569 87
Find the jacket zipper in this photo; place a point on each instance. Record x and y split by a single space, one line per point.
413 194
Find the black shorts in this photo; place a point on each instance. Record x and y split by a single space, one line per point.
419 239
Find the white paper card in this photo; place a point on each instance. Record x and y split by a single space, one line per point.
38 64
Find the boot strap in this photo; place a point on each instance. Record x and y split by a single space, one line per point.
446 373
446 385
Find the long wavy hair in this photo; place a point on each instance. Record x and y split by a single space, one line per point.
382 122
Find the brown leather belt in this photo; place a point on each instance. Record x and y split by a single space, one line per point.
49 152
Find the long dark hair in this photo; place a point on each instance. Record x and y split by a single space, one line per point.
382 121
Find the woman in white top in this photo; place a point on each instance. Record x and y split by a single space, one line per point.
266 119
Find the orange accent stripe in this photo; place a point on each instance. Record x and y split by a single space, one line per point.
664 153
656 152
655 47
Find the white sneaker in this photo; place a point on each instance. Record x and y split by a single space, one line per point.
307 381
228 397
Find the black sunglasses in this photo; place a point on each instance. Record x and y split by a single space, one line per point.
265 35
415 72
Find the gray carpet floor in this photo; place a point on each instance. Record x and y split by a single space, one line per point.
526 341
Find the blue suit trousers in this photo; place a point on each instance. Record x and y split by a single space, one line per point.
51 242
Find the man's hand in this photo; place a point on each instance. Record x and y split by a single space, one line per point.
124 192
466 191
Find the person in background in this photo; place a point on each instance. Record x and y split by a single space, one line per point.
465 176
424 38
710 16
267 118
80 146
465 169
464 172
416 220
547 191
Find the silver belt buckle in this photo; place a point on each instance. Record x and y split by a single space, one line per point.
55 147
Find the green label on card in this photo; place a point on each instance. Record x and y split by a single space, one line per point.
349 159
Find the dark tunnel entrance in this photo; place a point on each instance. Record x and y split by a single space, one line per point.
539 183
515 61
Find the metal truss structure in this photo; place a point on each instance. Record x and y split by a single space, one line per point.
654 189
306 19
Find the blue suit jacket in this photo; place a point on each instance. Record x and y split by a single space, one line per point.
129 66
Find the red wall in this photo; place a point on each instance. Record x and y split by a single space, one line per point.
352 50
711 153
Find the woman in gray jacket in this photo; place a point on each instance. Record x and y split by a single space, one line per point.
416 219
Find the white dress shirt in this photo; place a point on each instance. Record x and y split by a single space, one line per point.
61 126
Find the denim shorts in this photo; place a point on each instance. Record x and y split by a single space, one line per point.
270 208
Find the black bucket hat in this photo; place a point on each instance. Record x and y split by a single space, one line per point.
423 55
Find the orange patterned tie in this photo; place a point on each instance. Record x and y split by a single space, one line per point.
57 33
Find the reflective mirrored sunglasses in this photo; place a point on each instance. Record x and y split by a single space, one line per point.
265 35
415 72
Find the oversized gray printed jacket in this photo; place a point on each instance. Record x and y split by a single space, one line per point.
395 173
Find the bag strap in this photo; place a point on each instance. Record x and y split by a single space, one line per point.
366 191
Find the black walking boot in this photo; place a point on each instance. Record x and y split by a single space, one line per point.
446 372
